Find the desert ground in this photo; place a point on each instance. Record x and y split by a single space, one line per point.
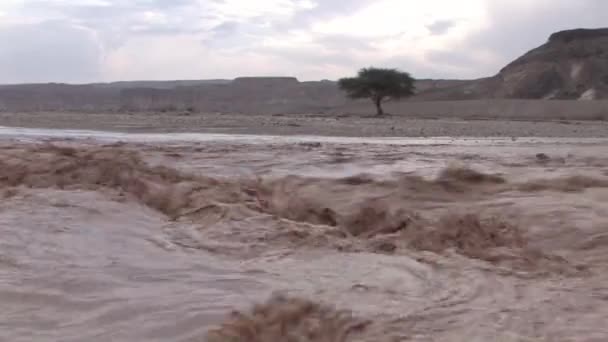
140 235
530 122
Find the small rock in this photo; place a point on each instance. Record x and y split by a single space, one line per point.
541 157
384 247
310 144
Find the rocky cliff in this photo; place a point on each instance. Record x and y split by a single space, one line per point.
572 64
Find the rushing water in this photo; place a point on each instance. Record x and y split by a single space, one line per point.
37 133
99 245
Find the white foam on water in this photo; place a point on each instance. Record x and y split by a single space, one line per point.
20 133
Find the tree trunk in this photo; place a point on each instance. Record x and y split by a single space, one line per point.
378 103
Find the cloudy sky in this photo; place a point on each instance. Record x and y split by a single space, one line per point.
107 40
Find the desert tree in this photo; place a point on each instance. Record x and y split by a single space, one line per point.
379 85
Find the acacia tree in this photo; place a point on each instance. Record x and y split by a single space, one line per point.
378 85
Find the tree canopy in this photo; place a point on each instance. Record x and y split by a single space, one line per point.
378 85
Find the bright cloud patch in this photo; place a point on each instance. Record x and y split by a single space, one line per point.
93 40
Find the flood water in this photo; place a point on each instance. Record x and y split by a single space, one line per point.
149 237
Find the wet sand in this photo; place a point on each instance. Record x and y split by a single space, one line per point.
515 125
391 240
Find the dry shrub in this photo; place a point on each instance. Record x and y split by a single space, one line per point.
337 203
8 193
492 239
565 184
376 217
468 176
469 234
294 198
288 319
358 179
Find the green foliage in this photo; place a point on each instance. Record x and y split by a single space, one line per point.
378 85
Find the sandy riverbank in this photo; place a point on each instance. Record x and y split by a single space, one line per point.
324 125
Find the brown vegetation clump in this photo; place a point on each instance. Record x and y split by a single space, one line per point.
489 238
468 234
360 209
466 175
8 193
288 319
377 217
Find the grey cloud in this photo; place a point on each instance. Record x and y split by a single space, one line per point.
304 57
109 6
235 36
454 64
75 54
49 52
225 29
325 50
417 69
247 32
440 27
123 15
343 43
324 10
86 12
119 21
451 57
330 8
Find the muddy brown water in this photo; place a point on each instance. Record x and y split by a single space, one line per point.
159 239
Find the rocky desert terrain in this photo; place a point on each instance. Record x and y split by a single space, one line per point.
345 125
